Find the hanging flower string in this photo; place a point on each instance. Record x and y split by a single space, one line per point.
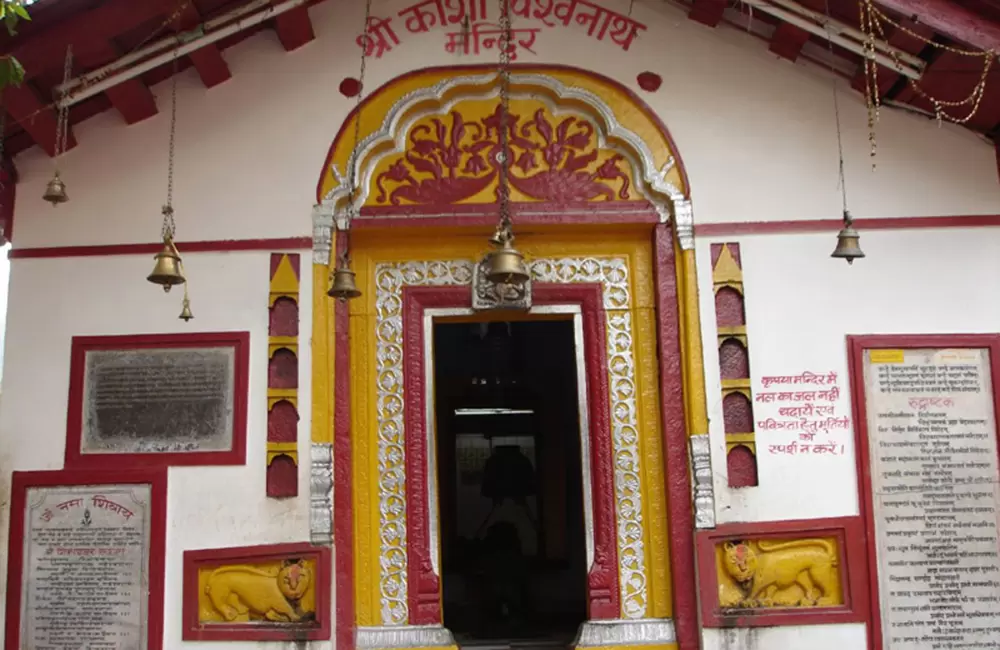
872 23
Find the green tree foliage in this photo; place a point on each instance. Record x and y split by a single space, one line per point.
11 13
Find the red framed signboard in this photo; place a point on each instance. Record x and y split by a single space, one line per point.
85 559
156 400
926 440
257 593
825 555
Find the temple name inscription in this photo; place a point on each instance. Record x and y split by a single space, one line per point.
86 567
476 33
934 470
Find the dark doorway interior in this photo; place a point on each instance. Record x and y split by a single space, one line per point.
509 477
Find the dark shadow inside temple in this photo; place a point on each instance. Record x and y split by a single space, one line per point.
510 482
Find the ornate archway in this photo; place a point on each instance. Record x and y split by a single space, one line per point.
585 151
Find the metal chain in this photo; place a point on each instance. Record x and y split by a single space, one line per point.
62 116
503 188
169 227
836 112
351 211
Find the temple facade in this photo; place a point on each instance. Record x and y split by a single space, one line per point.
691 427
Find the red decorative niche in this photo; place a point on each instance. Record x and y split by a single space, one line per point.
206 375
257 593
849 568
132 500
741 466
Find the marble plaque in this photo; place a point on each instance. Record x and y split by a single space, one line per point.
85 581
934 472
169 400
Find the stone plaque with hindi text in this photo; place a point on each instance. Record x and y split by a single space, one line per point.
85 580
934 474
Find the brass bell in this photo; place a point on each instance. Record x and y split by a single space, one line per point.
506 266
167 271
847 242
186 314
343 286
55 191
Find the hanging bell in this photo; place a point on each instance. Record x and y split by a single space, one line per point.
847 242
186 314
167 271
343 286
506 266
55 191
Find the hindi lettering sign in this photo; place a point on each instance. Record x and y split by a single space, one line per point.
803 409
158 399
84 562
473 25
932 447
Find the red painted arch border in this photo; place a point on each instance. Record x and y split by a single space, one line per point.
155 478
856 346
424 586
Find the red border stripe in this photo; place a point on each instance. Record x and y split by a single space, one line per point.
598 218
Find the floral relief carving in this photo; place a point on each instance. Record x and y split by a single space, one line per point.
613 275
555 159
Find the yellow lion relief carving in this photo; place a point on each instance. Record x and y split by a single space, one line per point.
798 573
243 593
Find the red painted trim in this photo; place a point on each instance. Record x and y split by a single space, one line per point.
833 225
424 586
675 443
611 214
209 246
343 490
635 99
239 341
194 561
856 346
951 19
848 532
155 478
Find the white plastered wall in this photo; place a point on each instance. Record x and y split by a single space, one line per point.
758 140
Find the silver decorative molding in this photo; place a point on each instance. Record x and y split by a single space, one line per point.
684 223
493 295
322 222
704 492
398 121
403 636
321 493
612 273
647 631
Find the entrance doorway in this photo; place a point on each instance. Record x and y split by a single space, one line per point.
510 480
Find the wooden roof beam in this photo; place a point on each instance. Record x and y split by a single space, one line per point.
951 20
707 12
898 38
133 100
46 49
294 27
208 61
38 120
788 40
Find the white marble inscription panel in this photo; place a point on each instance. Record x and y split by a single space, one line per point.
86 567
934 470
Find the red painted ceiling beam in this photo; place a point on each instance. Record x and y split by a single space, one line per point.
294 27
899 39
951 20
134 101
47 49
208 61
37 120
787 41
707 12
